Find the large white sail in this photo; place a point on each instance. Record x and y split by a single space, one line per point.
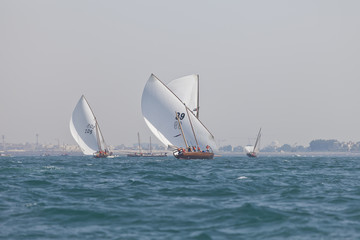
160 107
187 89
85 129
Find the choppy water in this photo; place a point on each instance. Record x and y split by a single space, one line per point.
224 198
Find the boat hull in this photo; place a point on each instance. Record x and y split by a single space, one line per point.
102 155
251 155
194 155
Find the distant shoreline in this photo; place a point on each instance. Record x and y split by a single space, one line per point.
169 153
72 153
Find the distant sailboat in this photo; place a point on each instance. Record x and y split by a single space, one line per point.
146 154
252 151
86 131
173 123
3 152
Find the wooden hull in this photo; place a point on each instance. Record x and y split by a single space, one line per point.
251 154
194 155
97 155
102 156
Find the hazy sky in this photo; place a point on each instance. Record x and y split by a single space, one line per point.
290 67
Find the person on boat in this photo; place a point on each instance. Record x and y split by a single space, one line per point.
199 149
207 148
189 149
194 148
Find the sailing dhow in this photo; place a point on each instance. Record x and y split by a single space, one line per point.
173 123
251 151
86 131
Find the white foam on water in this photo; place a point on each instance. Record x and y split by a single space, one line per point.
242 177
30 204
50 167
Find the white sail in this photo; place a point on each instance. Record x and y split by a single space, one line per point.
249 149
85 129
255 148
160 107
187 89
257 142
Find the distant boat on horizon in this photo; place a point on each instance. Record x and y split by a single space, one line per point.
86 131
173 122
145 154
252 151
4 155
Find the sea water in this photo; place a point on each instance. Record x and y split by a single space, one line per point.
285 197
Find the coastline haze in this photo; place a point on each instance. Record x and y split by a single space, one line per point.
290 68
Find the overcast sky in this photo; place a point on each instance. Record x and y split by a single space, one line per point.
290 67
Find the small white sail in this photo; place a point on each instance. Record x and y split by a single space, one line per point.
257 142
249 149
255 148
187 89
85 129
160 107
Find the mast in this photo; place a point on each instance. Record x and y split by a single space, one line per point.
3 138
97 135
192 128
139 142
257 139
181 102
37 141
150 144
98 130
102 137
182 132
198 97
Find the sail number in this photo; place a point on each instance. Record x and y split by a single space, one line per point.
89 128
180 116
